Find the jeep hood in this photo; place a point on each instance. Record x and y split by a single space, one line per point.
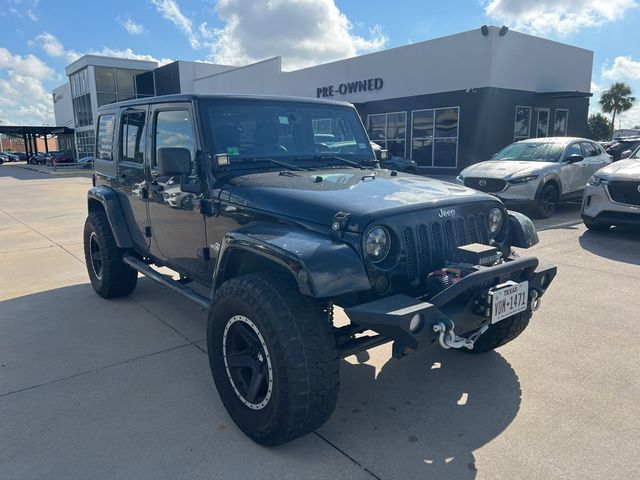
367 195
623 169
505 169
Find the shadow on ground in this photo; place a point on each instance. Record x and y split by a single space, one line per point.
422 416
618 243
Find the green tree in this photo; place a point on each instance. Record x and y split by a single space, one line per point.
617 99
599 127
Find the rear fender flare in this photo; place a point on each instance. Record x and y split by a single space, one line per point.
107 199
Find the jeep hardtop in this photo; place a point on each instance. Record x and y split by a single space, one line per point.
270 228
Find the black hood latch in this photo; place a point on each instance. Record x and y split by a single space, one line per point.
339 224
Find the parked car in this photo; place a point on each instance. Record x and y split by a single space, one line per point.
399 164
38 159
57 157
9 156
622 147
278 232
538 173
612 195
86 162
22 156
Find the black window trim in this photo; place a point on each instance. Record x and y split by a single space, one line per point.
137 109
171 107
113 140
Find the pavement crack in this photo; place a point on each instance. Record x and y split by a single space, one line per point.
373 475
93 370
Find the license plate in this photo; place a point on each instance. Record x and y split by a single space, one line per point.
509 299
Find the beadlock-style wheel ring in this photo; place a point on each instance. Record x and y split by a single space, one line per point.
247 362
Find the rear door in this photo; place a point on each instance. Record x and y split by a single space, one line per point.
177 226
594 159
106 140
132 166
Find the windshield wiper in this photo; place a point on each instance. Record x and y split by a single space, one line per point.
340 159
268 160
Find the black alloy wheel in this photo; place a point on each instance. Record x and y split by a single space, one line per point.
247 362
548 201
95 255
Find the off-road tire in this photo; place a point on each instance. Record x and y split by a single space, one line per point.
300 346
596 226
547 201
115 278
501 333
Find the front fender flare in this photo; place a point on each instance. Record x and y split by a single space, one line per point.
323 268
108 199
522 230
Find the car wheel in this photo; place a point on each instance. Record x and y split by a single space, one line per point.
547 201
273 358
109 275
501 333
596 226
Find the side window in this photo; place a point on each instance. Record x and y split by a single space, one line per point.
574 149
174 129
590 150
104 144
132 140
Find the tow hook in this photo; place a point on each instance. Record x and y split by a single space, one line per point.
534 300
448 339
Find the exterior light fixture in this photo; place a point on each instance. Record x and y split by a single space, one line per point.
485 30
503 30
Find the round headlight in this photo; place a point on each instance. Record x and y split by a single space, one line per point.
378 244
496 219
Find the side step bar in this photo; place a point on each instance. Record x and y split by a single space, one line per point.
166 280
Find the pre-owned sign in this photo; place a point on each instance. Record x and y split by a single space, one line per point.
368 85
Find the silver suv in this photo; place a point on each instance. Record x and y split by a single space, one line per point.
538 172
612 195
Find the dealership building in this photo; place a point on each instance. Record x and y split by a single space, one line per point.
446 103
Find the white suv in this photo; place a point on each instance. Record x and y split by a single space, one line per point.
538 172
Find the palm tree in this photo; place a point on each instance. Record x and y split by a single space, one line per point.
617 99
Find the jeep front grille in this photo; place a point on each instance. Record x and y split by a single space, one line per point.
487 185
625 192
428 246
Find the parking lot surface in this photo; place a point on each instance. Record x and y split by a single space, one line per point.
91 388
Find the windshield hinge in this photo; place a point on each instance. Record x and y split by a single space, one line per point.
339 224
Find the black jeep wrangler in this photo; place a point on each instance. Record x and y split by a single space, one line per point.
270 231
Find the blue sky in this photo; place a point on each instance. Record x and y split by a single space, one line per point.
39 37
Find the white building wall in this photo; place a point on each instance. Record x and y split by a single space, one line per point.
63 106
456 62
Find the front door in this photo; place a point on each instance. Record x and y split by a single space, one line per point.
177 226
572 173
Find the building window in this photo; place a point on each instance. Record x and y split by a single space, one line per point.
389 130
82 110
561 123
522 123
434 137
106 126
132 140
120 84
542 125
145 86
85 143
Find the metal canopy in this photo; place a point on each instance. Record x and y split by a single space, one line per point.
20 130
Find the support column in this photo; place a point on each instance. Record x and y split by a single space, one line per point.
46 143
26 146
35 143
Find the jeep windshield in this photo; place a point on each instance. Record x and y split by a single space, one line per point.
268 134
531 152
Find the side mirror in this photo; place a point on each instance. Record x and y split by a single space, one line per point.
173 161
625 154
574 158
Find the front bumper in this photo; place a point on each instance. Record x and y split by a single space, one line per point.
598 206
391 317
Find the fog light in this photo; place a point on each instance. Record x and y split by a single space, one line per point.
416 324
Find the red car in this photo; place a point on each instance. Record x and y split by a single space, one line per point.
58 157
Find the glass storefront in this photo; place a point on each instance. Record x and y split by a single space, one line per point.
434 137
389 130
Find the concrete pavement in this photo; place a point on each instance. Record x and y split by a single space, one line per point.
121 389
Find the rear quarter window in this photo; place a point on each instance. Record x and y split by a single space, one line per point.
104 140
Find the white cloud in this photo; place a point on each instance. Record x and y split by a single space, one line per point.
131 27
170 10
52 47
303 32
561 18
23 97
623 68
